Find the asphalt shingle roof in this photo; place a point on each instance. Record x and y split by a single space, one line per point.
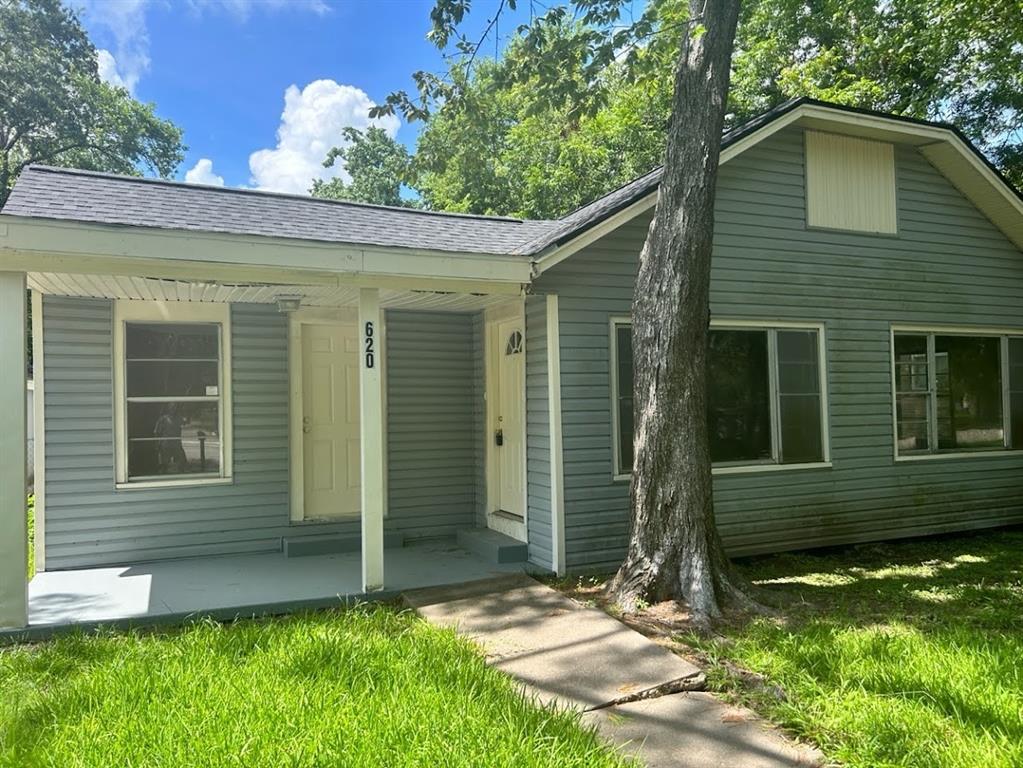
100 198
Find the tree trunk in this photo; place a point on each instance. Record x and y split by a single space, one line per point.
674 547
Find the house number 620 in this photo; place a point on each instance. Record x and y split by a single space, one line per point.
368 344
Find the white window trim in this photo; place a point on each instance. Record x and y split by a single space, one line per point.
126 311
618 475
1003 334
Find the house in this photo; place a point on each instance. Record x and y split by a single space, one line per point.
223 372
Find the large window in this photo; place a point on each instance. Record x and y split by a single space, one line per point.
172 392
765 400
957 392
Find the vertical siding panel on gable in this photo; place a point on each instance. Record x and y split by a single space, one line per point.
89 522
947 265
538 455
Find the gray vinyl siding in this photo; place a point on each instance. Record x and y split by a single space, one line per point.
432 456
948 265
538 454
433 437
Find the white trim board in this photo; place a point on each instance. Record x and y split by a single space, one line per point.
556 447
74 247
39 430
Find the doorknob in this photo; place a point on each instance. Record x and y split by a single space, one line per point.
499 437
306 426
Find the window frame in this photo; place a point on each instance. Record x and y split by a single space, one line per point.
771 327
929 332
177 312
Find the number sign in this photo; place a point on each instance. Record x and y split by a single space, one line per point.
368 345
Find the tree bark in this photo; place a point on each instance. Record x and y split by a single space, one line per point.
675 551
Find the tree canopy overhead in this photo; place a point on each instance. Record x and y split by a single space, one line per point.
560 118
377 165
57 110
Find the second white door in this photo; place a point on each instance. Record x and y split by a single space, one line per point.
509 438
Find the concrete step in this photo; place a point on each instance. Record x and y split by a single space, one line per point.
306 545
492 546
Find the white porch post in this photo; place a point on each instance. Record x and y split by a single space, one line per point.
554 414
371 425
13 446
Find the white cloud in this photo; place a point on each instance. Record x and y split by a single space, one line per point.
125 22
242 9
310 125
202 173
107 65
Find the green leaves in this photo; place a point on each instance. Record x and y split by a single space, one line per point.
377 164
56 109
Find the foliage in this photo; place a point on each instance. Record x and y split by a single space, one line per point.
377 164
57 110
501 149
937 59
545 129
891 654
365 686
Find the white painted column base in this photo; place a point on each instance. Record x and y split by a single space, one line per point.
13 475
371 426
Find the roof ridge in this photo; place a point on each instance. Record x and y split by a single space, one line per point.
267 193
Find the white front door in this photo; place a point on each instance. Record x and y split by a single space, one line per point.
508 435
330 421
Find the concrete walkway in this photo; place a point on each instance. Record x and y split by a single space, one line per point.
625 684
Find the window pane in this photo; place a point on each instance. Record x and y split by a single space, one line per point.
172 378
968 378
799 397
1016 392
912 393
738 396
911 417
173 438
623 340
171 341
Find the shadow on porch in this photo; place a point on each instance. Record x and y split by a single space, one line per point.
237 585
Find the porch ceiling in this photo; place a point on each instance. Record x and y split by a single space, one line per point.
158 289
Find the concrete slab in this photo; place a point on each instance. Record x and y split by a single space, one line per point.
581 658
204 585
695 730
561 650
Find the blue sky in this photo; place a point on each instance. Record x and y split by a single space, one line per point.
263 87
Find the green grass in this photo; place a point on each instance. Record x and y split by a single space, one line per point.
902 654
367 686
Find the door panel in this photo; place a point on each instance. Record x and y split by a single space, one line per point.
511 419
330 424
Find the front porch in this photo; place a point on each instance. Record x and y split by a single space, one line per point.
237 585
205 398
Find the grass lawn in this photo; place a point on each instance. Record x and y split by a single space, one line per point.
901 654
357 687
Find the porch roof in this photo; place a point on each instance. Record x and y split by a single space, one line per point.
102 198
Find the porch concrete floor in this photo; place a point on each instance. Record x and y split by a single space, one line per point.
229 585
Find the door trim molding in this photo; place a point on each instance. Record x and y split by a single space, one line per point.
492 317
296 459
